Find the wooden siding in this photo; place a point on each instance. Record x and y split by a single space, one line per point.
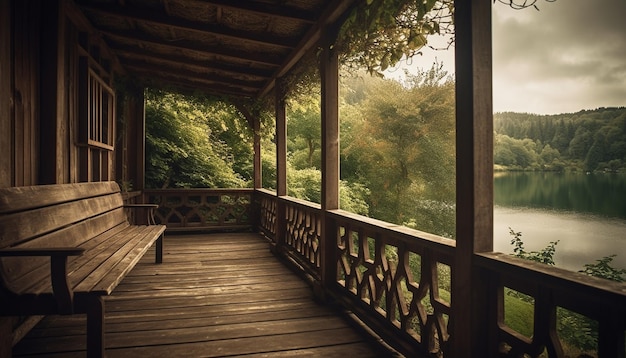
214 295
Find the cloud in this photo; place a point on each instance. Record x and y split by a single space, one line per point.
570 55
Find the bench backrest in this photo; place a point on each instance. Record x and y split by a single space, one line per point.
45 216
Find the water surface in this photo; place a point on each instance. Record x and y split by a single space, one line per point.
585 213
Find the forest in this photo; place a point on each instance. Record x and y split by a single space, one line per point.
589 140
397 145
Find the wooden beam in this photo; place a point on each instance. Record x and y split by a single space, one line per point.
281 144
257 162
53 113
143 39
6 108
172 79
180 71
281 167
474 173
278 11
203 28
329 73
134 53
336 11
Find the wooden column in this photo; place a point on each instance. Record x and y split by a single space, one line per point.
257 163
6 97
138 109
281 166
54 148
474 173
329 74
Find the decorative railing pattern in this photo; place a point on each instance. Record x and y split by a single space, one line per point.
202 209
304 225
398 278
551 291
266 202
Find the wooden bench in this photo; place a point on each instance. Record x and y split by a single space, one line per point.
64 247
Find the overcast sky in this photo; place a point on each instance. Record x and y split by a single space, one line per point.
569 56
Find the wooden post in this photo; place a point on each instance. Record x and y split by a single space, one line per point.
281 166
54 148
258 165
138 109
6 97
95 326
329 73
474 173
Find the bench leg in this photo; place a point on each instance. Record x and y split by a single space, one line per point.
95 327
159 249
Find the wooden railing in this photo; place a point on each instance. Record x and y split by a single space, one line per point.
202 209
302 228
550 290
266 202
397 281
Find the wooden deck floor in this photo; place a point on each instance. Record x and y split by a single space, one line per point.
214 295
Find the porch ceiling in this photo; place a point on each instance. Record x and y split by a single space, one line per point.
236 48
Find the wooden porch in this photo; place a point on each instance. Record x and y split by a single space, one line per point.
215 295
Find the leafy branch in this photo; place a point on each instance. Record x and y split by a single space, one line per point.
521 4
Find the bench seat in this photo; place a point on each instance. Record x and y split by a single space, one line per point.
64 247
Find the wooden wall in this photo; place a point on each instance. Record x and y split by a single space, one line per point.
6 97
45 63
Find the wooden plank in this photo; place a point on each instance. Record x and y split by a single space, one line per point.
6 94
222 315
30 272
24 198
117 259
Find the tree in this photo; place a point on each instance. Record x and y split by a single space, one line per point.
182 149
403 149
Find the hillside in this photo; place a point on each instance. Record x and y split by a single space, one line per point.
588 140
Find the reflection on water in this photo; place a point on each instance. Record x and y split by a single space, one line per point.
600 194
586 213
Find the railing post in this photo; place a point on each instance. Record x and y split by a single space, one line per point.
281 165
329 73
474 178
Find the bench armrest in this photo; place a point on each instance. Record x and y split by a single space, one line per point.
61 289
149 207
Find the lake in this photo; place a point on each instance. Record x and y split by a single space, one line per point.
585 212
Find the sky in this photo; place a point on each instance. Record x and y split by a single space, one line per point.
568 56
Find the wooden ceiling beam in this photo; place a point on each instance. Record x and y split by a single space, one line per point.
202 28
164 80
150 40
208 78
333 14
279 11
133 53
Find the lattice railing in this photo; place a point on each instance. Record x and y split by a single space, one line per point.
304 225
267 216
571 310
201 209
398 277
397 281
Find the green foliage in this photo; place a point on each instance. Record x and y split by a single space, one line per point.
589 140
545 256
379 33
195 142
602 268
575 329
398 141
